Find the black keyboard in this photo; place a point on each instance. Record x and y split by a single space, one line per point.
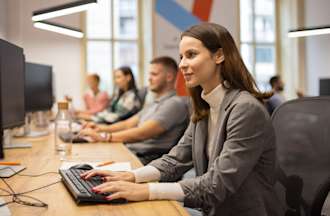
81 189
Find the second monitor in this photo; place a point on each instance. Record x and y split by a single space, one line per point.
38 87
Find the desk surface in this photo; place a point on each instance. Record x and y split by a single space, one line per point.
43 158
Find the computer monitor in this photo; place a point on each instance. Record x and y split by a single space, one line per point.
12 108
325 87
38 87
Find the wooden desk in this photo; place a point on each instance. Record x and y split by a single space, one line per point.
42 158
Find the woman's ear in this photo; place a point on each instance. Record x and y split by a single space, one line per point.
219 56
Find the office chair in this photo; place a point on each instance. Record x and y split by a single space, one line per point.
302 129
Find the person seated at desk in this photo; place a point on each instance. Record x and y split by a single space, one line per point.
277 99
125 101
153 131
94 99
230 139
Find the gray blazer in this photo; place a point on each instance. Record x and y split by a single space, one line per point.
239 176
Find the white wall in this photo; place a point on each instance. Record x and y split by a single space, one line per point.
62 52
317 47
167 36
3 19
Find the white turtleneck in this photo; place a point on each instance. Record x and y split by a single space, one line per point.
173 191
214 99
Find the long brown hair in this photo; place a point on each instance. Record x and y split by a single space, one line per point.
232 70
127 71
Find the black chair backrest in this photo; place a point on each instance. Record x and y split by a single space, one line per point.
141 93
302 129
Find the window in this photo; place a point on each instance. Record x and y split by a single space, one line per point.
112 39
258 43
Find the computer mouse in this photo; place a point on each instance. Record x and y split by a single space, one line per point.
82 167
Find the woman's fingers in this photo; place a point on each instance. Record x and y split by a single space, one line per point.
121 176
117 195
89 125
90 133
107 187
91 173
121 189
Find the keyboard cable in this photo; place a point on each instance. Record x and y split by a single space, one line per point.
17 197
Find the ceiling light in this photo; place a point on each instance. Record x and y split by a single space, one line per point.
59 29
61 10
309 31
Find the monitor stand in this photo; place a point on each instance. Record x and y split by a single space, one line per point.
7 171
35 134
8 141
30 130
41 123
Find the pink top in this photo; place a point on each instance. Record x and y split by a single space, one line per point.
96 103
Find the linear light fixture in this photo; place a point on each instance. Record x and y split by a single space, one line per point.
309 31
73 32
61 10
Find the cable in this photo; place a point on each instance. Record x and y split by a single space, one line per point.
16 196
25 192
37 175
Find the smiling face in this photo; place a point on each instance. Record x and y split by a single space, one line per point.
198 65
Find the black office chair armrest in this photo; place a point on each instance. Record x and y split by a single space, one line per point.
320 197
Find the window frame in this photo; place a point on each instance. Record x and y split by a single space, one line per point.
112 41
254 44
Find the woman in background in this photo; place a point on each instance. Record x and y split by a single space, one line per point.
95 100
125 101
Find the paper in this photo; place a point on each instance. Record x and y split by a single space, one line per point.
120 166
4 210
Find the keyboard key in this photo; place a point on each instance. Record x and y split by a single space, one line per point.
76 183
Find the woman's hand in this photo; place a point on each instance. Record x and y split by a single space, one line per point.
90 125
121 189
93 134
109 175
95 127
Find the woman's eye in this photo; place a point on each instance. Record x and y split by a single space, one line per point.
191 54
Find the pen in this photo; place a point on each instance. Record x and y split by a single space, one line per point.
105 163
9 163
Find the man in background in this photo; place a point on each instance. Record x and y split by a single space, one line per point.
159 126
278 98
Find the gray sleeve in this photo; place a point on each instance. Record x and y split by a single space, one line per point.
178 161
245 130
140 113
171 113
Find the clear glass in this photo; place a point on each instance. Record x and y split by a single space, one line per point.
99 61
125 19
126 54
246 20
98 20
63 124
265 65
264 22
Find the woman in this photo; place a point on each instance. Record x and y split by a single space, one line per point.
230 139
95 100
125 101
